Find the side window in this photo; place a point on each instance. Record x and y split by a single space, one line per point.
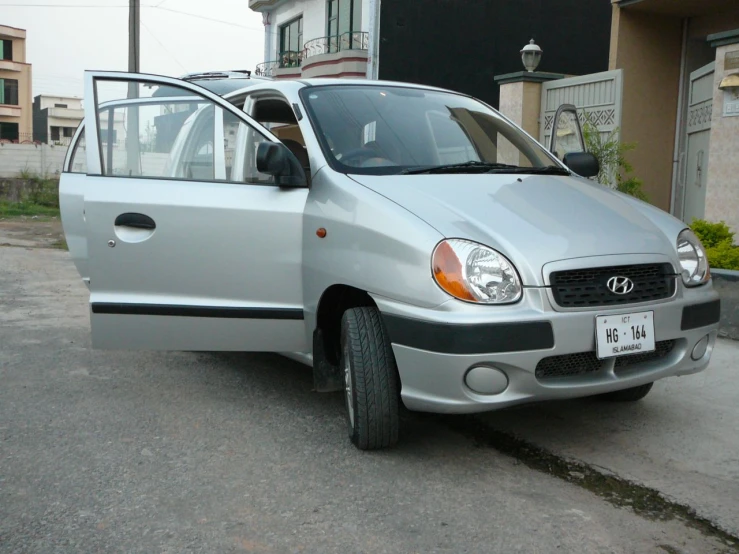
241 143
146 131
276 114
78 163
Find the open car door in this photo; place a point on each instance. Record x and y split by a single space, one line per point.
188 246
567 135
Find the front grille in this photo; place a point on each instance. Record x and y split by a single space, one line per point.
568 365
582 363
585 288
662 349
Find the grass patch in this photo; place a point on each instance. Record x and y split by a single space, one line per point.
39 196
13 209
61 244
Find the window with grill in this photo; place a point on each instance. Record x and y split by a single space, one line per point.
6 49
344 18
291 43
9 92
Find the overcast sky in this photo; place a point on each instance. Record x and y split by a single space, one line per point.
66 37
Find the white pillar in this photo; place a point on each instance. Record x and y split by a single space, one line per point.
267 21
373 53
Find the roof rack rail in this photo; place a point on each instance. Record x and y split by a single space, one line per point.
217 74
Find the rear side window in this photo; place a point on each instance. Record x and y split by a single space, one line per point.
78 163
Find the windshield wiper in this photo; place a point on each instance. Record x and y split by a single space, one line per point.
486 167
548 170
466 167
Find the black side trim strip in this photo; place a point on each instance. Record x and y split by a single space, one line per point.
196 311
480 338
701 315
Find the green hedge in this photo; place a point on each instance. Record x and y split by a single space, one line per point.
718 240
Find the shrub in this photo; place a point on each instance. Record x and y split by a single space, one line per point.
723 256
712 234
611 155
40 191
718 239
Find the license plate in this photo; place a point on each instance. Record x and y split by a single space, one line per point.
624 334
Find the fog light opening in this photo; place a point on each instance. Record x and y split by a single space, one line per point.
485 379
699 350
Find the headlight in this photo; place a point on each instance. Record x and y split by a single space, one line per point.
695 270
475 273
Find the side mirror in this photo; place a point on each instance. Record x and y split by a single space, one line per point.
582 163
275 159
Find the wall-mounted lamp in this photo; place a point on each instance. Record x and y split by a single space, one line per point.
531 56
730 82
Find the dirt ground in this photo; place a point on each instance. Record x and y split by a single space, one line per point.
32 232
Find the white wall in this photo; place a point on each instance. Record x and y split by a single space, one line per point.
71 102
314 21
43 159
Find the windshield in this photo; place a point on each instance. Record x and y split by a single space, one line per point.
379 130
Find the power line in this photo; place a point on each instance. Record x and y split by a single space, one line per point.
65 6
163 47
206 18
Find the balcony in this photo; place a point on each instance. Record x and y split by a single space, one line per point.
67 113
259 5
338 56
9 110
10 65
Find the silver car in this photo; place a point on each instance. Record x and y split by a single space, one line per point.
408 243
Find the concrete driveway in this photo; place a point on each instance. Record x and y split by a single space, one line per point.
195 452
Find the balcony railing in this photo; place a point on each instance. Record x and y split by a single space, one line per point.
290 58
331 45
266 69
315 47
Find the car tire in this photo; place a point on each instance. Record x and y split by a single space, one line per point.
370 380
629 395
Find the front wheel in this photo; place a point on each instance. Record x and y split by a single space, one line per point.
370 380
629 395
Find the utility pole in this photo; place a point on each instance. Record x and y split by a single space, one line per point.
134 34
133 147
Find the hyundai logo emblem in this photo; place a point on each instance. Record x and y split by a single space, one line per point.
620 285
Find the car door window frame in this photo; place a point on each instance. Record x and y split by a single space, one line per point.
92 120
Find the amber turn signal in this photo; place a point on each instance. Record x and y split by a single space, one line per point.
321 232
448 272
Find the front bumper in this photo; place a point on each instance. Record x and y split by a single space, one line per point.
435 348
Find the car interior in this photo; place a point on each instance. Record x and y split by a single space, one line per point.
278 116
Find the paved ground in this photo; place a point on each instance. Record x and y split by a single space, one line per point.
31 231
186 452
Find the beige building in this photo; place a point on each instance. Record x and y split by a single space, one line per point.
15 86
56 118
680 63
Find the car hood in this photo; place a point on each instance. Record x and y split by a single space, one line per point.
533 219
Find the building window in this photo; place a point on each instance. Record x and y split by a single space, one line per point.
8 131
291 43
61 106
344 19
9 92
54 133
6 49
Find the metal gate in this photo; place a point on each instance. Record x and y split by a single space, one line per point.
597 97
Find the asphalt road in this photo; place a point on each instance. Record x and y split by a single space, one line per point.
194 452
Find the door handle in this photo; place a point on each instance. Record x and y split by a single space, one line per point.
138 221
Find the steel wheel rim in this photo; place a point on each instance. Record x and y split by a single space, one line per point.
348 388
